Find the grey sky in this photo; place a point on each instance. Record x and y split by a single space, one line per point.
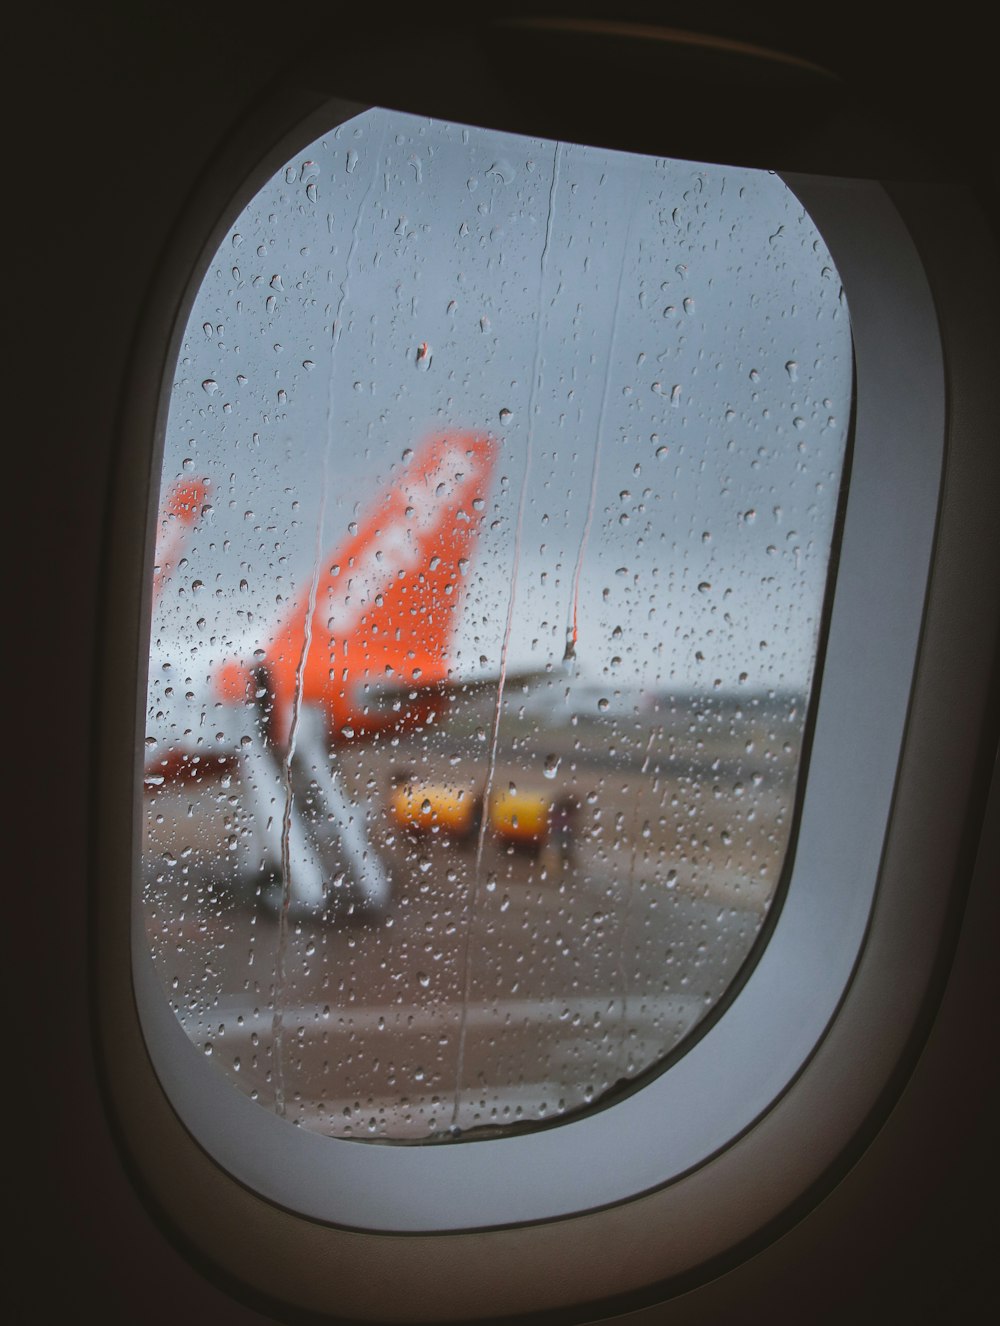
690 328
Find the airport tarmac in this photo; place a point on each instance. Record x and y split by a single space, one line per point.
500 986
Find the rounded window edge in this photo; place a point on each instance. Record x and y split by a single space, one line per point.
674 1123
760 1123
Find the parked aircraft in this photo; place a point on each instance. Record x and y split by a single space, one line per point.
365 649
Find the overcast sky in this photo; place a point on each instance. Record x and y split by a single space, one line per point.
670 341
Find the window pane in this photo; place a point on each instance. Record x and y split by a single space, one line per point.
496 512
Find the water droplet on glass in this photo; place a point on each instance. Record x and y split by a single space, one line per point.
551 766
501 172
505 415
210 385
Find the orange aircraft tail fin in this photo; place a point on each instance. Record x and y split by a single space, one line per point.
387 601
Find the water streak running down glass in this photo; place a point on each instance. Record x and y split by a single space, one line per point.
496 513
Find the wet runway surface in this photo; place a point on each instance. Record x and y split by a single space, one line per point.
500 985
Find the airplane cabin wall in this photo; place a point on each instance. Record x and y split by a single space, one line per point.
127 107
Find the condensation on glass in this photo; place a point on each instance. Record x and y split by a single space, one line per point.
496 512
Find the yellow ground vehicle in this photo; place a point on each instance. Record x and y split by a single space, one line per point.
521 818
532 821
435 808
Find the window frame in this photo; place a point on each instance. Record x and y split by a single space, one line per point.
305 1260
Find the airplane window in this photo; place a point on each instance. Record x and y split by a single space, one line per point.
497 507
